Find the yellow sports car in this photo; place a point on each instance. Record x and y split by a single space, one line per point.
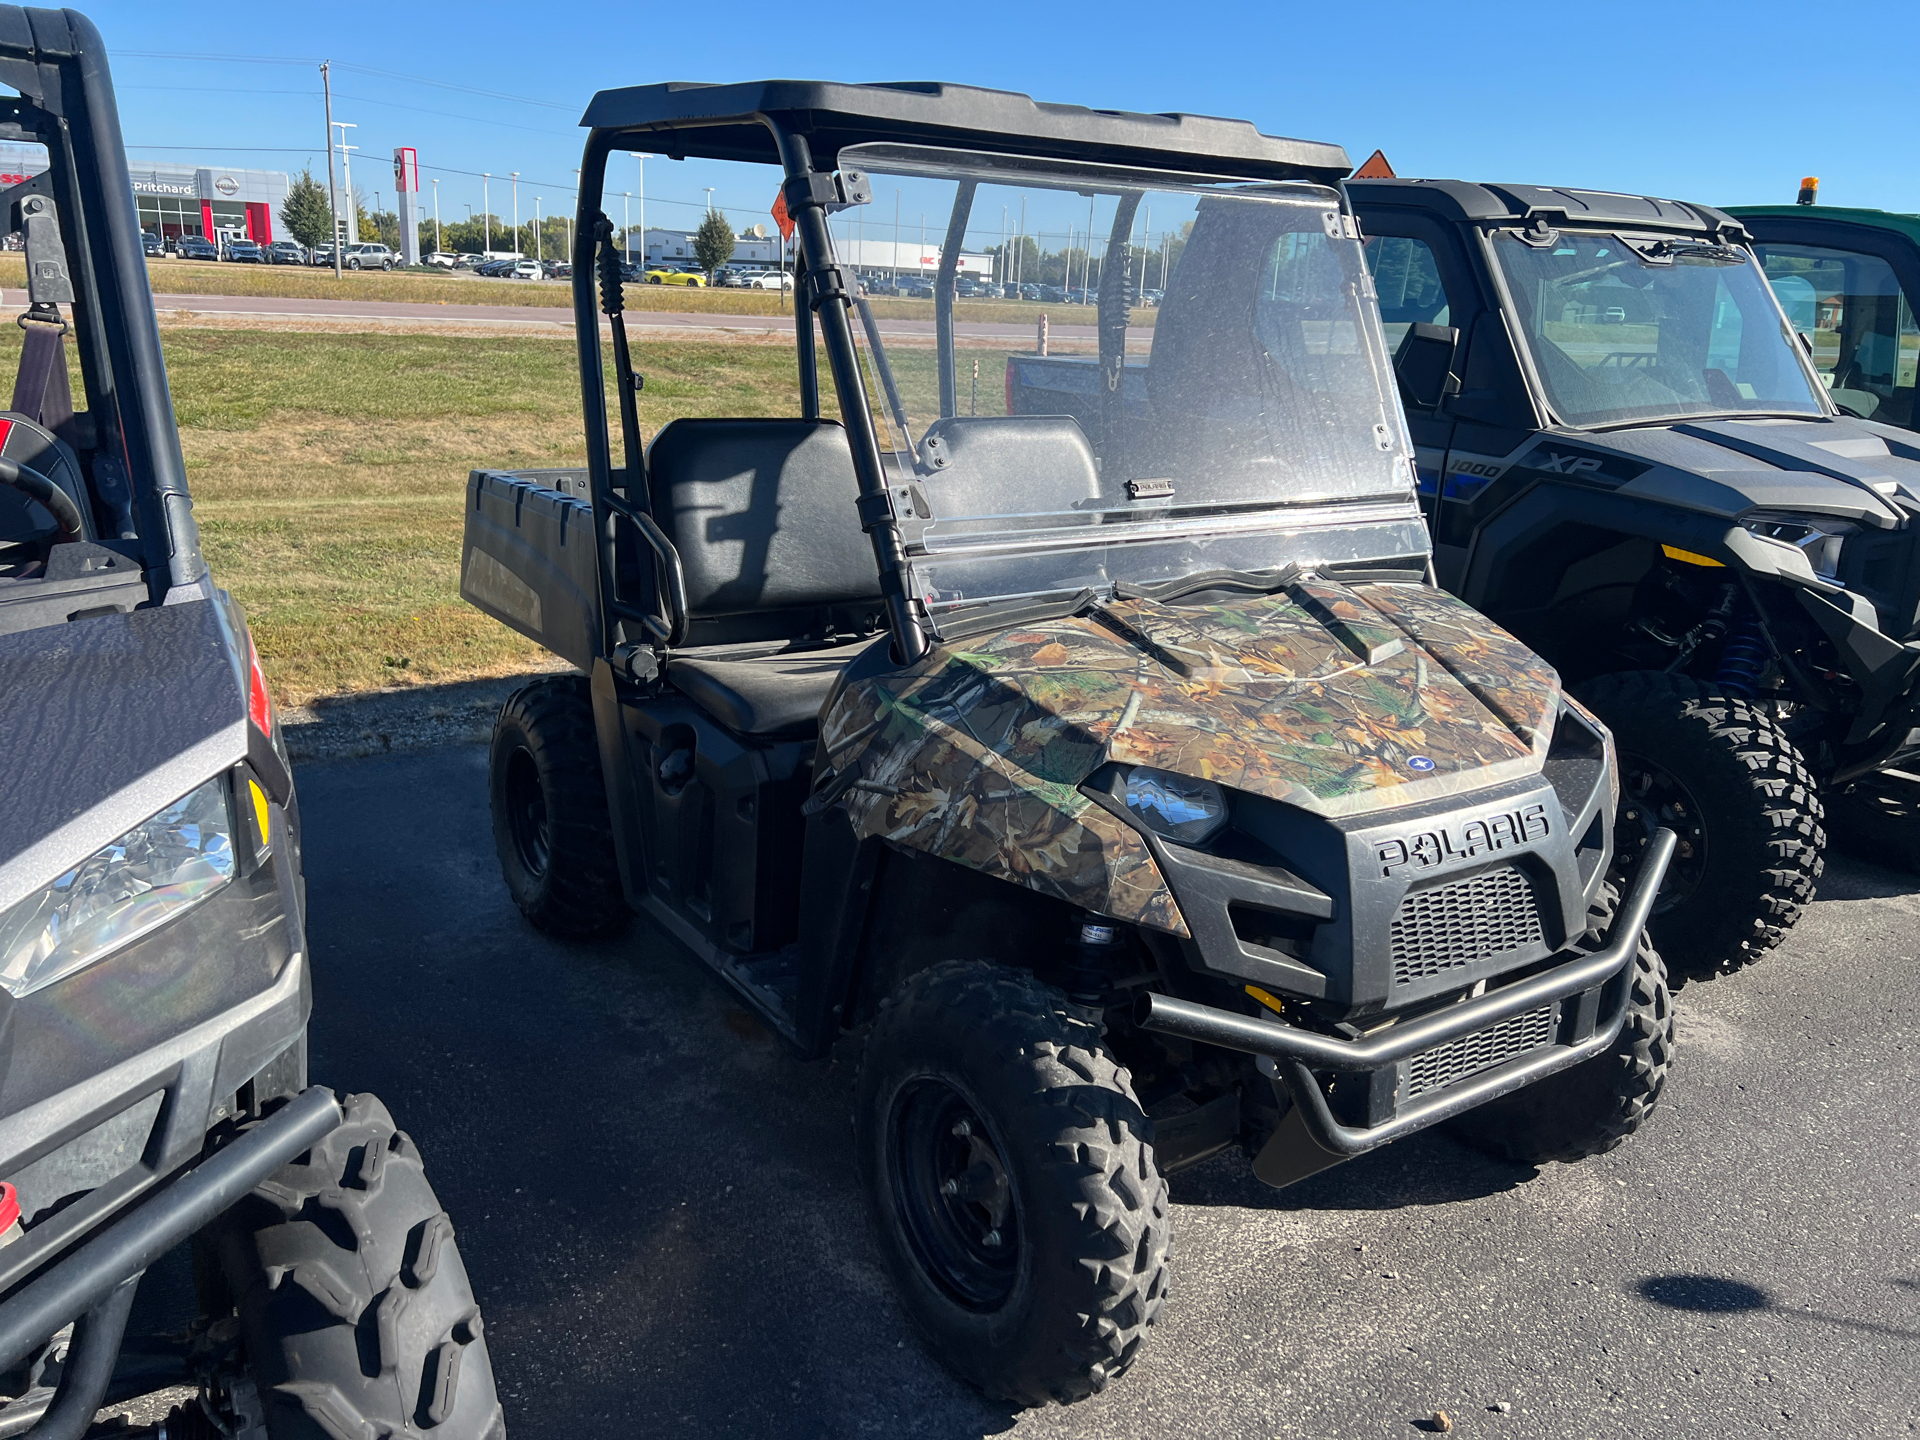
664 275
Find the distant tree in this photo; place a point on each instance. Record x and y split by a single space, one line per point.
713 242
305 211
385 227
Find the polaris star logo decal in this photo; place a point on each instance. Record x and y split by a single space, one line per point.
1487 835
1419 762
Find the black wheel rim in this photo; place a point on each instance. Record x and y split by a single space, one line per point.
953 1194
526 806
1654 798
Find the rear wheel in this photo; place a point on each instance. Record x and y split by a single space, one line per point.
1013 1184
1718 772
356 1315
550 821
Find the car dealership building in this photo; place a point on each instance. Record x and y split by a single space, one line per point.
175 200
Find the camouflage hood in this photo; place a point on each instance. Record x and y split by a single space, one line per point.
1337 699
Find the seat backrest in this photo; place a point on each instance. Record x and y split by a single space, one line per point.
1007 465
763 515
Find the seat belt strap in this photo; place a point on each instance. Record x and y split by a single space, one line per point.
41 391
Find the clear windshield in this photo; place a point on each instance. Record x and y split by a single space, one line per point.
1208 388
1623 328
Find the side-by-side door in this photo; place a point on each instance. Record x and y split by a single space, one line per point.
1850 291
1425 272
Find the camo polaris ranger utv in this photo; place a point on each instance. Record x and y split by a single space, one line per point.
1629 462
154 980
1114 775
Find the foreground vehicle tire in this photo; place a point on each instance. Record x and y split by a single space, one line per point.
550 821
356 1315
1719 772
1591 1108
1011 1174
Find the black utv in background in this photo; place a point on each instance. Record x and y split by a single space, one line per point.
154 972
1628 459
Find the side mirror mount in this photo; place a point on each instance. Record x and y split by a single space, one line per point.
1424 365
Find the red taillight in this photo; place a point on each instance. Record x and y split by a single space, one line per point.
259 703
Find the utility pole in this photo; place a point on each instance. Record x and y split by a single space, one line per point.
486 215
539 248
896 235
436 218
626 222
333 191
1020 265
640 164
516 213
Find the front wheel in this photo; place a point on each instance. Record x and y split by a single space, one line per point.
355 1312
1718 772
1010 1169
1591 1107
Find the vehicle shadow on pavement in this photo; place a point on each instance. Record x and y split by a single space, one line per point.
656 1201
1424 1169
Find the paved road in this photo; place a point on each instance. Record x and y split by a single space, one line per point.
556 318
657 1203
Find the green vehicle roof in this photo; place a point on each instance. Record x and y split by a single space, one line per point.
1906 225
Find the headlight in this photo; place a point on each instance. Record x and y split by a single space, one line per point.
121 891
1176 806
1818 536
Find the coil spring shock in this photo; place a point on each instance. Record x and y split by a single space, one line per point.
1743 659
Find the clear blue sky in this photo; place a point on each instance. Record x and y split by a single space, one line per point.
1714 102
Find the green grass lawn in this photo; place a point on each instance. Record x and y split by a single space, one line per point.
329 471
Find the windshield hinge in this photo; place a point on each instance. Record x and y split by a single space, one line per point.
1340 226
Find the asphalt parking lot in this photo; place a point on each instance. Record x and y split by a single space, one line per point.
658 1208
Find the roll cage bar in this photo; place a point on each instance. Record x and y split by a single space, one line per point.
802 126
58 62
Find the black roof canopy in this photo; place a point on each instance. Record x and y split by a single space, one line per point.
727 122
1461 200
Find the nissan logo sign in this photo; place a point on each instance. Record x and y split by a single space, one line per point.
227 185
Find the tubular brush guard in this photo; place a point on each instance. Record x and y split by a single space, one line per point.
1292 1055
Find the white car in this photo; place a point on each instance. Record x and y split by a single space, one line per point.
525 270
441 258
770 280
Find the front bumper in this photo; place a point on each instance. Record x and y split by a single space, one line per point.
1292 1056
94 1284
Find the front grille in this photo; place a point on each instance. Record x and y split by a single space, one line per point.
1470 1054
1451 926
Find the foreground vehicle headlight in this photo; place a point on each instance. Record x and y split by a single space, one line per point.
1176 806
1821 538
121 891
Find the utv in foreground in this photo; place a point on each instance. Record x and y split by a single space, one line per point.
1113 773
154 978
1630 462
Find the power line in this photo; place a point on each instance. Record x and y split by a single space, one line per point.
348 65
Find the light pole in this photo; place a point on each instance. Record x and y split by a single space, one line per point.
539 248
896 236
709 190
626 222
640 164
516 214
436 219
486 215
346 163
